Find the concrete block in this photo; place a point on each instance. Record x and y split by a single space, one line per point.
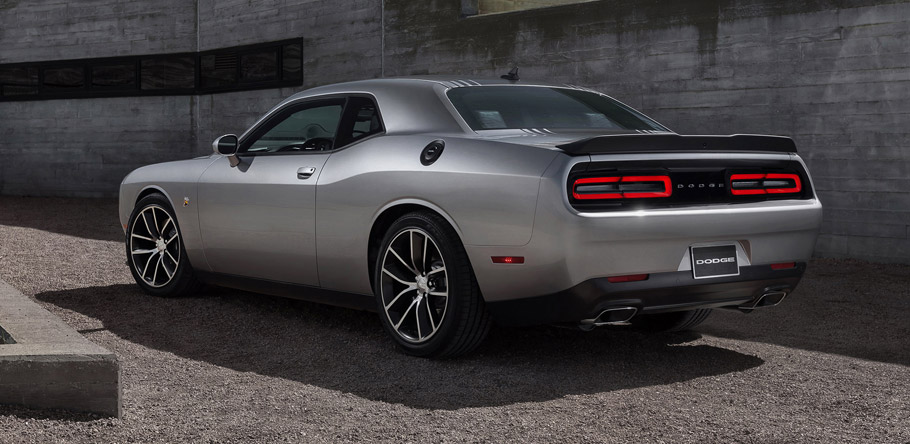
46 364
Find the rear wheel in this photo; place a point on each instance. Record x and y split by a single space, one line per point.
671 322
155 252
426 293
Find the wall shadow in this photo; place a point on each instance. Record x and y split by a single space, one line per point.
79 217
347 350
23 412
844 307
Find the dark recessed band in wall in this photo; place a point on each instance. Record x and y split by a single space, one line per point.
238 68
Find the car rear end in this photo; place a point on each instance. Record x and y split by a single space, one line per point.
654 232
633 219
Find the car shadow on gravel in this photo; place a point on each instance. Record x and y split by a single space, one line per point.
844 307
347 350
85 218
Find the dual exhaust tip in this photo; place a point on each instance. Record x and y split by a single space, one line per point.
623 315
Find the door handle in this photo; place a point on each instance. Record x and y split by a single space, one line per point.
305 172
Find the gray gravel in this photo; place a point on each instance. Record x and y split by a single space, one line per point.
832 364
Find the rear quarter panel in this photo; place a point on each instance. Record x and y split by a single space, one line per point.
487 191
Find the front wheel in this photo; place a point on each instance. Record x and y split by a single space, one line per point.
155 252
426 293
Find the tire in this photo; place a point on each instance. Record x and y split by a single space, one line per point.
428 302
154 250
671 322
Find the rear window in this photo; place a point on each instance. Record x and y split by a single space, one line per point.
513 107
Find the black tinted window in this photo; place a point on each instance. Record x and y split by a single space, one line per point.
259 66
18 81
311 128
120 76
511 107
64 78
219 70
291 62
174 72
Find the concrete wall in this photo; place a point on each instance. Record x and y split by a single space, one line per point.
833 74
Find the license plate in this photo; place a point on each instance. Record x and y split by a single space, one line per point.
715 261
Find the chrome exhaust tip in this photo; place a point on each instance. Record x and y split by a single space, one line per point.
610 316
767 299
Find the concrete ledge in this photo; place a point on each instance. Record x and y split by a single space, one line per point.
44 363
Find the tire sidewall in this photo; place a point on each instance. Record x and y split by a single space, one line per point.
455 284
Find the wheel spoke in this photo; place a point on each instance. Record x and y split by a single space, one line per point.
436 270
403 262
411 235
169 273
399 279
158 264
417 319
146 222
171 256
155 220
145 269
423 257
150 250
143 237
395 299
439 293
167 242
430 314
166 223
405 314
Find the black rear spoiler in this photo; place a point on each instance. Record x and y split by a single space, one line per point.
662 143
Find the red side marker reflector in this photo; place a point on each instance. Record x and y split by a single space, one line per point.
627 278
508 259
783 266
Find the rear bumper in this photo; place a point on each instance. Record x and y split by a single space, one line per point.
661 292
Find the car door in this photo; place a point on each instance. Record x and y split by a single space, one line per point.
258 219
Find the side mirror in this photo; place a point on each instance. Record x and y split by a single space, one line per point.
227 146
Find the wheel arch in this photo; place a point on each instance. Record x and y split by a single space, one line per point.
386 216
152 189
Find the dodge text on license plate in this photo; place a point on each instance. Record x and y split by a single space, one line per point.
715 261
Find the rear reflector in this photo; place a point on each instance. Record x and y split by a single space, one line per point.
621 187
627 278
771 183
783 266
508 259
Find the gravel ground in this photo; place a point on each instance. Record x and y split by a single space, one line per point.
832 364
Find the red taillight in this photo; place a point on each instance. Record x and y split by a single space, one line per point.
771 183
508 259
595 181
627 278
622 187
783 266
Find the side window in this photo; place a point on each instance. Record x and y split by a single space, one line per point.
361 120
311 128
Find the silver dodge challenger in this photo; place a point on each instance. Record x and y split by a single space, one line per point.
448 204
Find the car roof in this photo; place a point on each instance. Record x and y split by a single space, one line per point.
411 104
370 85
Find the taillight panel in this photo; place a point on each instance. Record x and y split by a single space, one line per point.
607 186
622 187
768 183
